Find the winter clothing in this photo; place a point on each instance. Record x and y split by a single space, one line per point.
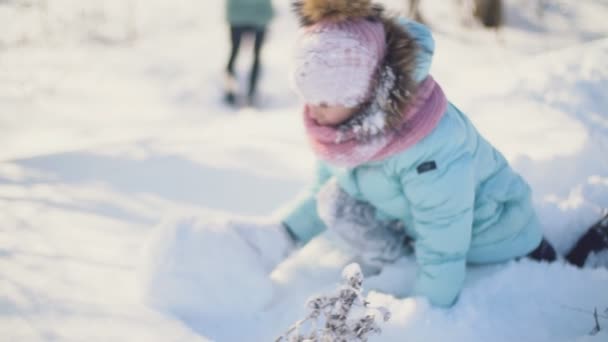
355 223
595 240
311 12
256 13
544 252
329 55
407 59
236 35
246 17
344 148
455 194
426 47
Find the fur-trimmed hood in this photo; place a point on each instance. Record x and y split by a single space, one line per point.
401 47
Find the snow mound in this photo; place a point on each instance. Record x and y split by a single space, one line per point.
199 266
561 137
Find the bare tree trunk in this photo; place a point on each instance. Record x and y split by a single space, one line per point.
414 11
489 12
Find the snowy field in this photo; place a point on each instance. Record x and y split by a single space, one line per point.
112 129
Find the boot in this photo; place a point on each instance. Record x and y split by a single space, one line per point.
595 240
230 89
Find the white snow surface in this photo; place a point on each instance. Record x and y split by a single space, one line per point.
118 159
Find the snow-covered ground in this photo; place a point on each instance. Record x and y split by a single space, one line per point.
111 122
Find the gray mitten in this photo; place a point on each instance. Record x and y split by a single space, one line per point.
355 223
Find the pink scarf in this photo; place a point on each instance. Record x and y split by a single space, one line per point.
346 149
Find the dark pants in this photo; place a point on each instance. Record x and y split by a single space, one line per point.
236 35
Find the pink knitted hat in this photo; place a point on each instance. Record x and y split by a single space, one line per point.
336 62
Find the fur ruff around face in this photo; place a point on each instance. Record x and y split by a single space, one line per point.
401 48
313 11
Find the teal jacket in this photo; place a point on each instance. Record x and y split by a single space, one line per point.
456 194
257 13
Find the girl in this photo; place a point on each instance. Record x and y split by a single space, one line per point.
398 165
397 161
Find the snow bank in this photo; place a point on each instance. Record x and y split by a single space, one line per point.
200 266
552 124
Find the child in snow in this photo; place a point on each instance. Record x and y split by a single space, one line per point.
397 163
391 147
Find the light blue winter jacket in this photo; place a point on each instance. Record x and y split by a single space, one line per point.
471 208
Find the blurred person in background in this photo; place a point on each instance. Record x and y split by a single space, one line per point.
247 18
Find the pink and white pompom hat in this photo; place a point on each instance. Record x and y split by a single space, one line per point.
335 63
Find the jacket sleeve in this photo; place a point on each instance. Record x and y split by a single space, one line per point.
442 203
422 35
302 220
